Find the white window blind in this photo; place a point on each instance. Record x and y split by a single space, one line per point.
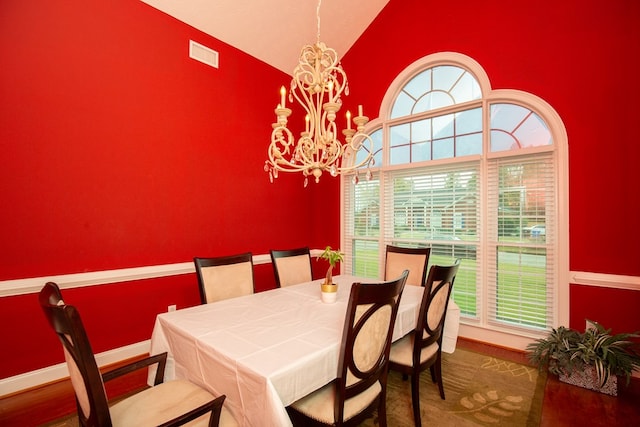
362 225
438 207
520 259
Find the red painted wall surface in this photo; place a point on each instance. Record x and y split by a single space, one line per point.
119 151
577 55
615 309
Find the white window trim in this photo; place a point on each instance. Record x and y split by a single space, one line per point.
481 331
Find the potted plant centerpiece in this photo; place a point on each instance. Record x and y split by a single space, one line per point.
593 359
328 288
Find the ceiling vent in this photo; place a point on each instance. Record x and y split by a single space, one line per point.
203 54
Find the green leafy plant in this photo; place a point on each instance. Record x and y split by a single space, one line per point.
566 350
333 257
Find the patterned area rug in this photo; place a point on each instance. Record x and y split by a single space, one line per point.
480 391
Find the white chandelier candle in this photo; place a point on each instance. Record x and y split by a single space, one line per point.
318 84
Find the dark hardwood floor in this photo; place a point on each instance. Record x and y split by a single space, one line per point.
564 404
567 405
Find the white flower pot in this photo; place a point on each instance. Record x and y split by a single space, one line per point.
329 293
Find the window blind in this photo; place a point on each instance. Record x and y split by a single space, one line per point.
520 259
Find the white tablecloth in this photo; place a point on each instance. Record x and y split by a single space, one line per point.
266 350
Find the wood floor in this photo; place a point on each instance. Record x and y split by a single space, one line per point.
564 404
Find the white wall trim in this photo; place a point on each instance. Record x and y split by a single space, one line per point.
605 280
57 372
77 280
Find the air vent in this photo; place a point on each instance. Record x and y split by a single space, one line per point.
203 54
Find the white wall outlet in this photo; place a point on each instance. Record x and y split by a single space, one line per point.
171 307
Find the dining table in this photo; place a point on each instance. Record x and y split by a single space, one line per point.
266 350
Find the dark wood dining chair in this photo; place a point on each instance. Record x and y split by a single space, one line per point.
422 348
166 403
224 277
398 259
361 383
291 266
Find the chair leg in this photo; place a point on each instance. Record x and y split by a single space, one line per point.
382 410
415 397
438 372
433 374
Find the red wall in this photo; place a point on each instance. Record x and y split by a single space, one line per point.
119 151
577 55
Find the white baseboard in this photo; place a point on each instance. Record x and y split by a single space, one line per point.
56 372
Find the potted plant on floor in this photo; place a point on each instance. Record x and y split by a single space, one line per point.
328 288
593 359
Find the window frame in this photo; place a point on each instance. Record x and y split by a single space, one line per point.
482 329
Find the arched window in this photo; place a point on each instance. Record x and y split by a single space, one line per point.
476 174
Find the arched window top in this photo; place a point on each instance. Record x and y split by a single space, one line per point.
436 87
443 107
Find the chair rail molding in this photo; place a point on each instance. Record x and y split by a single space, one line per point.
77 280
605 280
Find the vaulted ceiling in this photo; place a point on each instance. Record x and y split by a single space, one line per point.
274 31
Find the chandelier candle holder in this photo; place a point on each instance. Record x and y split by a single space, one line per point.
318 84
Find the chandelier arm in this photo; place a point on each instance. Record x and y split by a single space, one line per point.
356 146
276 155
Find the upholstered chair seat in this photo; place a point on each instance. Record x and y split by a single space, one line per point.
163 402
402 351
319 405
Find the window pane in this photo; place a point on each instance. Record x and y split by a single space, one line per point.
399 155
445 77
400 135
376 137
443 148
431 101
468 145
514 127
469 121
466 89
403 105
521 290
443 126
435 88
366 204
419 85
421 130
421 152
365 258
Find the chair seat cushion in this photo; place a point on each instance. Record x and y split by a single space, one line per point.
163 402
402 351
319 404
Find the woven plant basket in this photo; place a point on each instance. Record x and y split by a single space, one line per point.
587 379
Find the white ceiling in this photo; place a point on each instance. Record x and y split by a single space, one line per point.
274 31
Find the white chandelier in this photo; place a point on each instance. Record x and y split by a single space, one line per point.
318 83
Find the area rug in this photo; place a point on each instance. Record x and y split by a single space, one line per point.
480 390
